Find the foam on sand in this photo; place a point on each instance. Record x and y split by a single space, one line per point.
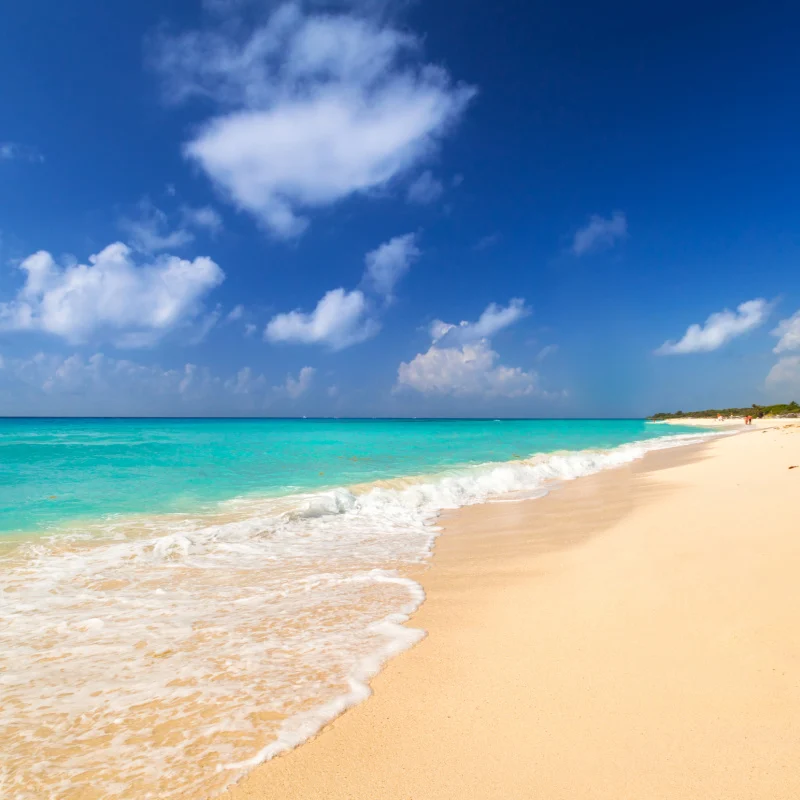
164 656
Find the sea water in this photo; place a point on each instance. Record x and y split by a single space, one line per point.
180 600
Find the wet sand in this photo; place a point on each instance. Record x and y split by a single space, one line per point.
632 635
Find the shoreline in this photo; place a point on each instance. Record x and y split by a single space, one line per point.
256 647
493 559
216 510
709 422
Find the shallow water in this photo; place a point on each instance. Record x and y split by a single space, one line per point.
198 596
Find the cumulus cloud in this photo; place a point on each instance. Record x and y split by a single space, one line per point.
112 296
785 374
789 332
461 361
388 263
425 189
294 387
152 232
314 108
340 319
719 329
600 233
468 370
491 321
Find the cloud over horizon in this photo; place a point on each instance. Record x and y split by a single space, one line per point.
112 297
461 361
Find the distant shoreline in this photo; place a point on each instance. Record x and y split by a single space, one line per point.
725 422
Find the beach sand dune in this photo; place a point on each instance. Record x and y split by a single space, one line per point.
633 635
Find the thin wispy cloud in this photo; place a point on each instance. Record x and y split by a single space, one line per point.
487 241
101 383
236 313
389 262
13 151
425 189
719 329
153 230
600 233
546 352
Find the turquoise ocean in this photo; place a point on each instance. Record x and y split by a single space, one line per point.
183 599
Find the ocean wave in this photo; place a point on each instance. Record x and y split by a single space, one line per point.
164 656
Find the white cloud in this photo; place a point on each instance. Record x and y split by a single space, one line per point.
111 296
599 233
425 189
388 263
785 374
719 329
468 370
318 107
789 332
460 360
491 321
249 329
294 387
340 319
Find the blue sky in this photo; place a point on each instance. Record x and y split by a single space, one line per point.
375 208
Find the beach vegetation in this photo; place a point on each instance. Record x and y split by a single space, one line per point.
778 410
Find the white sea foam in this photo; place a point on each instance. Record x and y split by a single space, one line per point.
162 657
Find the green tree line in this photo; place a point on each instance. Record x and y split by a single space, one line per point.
778 410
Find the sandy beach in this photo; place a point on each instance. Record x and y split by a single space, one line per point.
632 635
712 422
